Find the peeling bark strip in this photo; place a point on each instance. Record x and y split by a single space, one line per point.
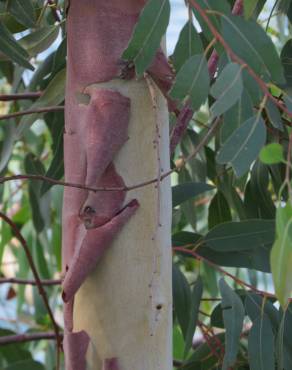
94 134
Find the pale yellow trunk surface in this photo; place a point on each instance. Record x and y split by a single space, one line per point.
126 304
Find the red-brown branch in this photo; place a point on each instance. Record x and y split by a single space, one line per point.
236 58
20 96
22 338
220 269
29 281
41 289
214 58
32 111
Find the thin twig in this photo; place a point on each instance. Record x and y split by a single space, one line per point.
210 133
22 338
29 281
220 269
32 111
41 289
20 96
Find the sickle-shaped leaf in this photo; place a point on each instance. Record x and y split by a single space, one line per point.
147 34
196 296
39 40
250 42
233 315
281 255
181 298
188 190
12 49
227 89
192 81
244 145
23 11
240 236
189 44
261 344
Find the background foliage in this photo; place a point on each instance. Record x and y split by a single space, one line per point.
231 185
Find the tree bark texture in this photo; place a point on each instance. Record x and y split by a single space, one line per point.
116 246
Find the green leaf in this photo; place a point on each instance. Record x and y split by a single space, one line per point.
189 44
23 11
219 210
272 153
244 145
183 192
236 116
221 6
196 296
256 305
56 168
217 317
240 236
25 365
181 298
147 34
227 89
257 198
250 42
192 81
53 95
249 7
286 58
7 146
38 41
256 259
12 49
283 340
13 353
261 344
281 255
233 316
34 167
274 115
178 342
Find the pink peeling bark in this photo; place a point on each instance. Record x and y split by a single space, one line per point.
98 32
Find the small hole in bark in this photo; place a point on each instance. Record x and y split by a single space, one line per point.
159 307
89 210
64 296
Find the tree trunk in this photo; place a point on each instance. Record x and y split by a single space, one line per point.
124 305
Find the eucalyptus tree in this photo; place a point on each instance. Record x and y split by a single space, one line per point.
213 117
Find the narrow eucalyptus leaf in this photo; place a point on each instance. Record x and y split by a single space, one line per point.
38 41
240 236
251 43
23 11
261 344
227 89
183 192
181 298
189 44
244 145
233 316
281 256
196 295
10 47
192 81
147 34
